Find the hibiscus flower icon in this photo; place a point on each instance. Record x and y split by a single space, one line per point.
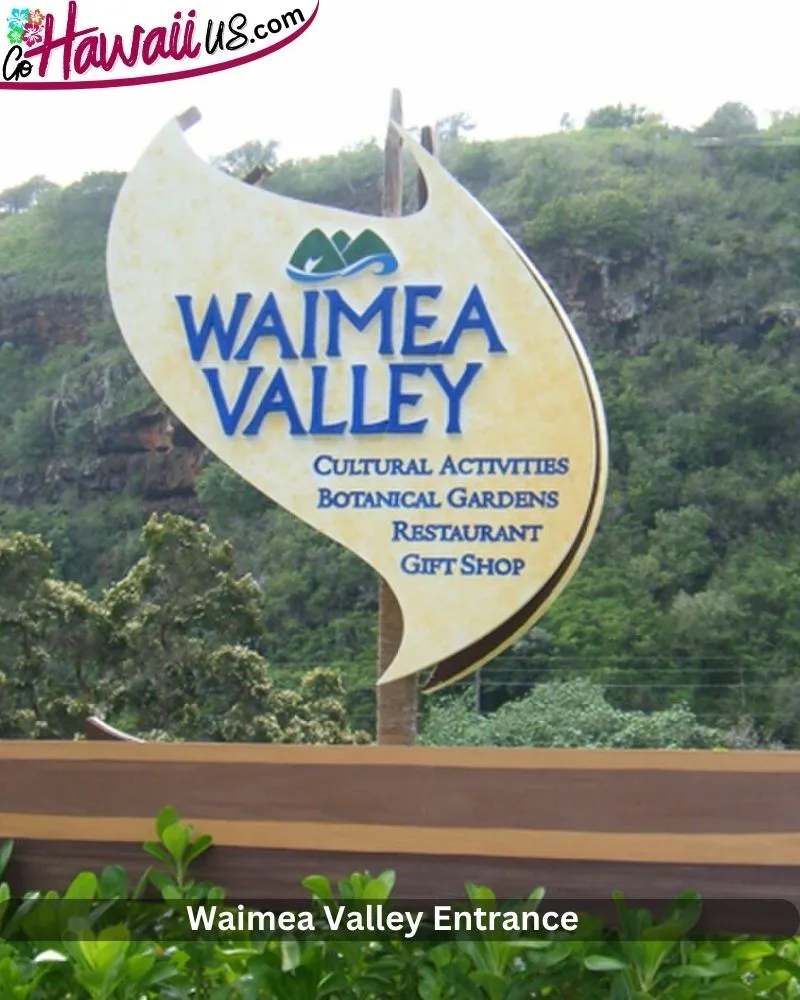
36 18
15 36
18 18
33 34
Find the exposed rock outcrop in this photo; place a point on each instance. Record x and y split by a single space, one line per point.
148 455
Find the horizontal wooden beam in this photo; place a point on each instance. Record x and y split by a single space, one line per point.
756 850
480 758
632 807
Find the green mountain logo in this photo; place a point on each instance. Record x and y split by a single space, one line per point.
319 257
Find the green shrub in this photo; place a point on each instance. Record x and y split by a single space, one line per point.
573 713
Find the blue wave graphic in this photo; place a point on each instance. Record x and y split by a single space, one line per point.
383 263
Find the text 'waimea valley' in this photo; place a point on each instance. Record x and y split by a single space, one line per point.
395 318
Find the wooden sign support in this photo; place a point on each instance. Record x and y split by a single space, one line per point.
396 703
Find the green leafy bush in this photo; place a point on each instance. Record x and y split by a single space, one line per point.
573 713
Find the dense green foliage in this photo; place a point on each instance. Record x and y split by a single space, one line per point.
102 946
152 653
576 713
680 265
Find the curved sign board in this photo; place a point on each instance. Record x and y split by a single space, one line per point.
408 386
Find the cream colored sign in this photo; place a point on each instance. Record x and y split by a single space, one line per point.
408 386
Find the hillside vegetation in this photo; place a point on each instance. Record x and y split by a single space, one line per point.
680 265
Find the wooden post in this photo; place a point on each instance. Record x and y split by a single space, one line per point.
426 141
396 702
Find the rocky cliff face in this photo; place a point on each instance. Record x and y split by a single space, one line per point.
49 321
147 454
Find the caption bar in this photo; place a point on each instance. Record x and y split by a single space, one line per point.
409 920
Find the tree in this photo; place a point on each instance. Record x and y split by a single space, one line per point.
59 241
249 156
473 162
616 116
353 179
166 653
173 612
452 128
602 223
680 555
222 490
52 640
24 196
730 120
188 625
